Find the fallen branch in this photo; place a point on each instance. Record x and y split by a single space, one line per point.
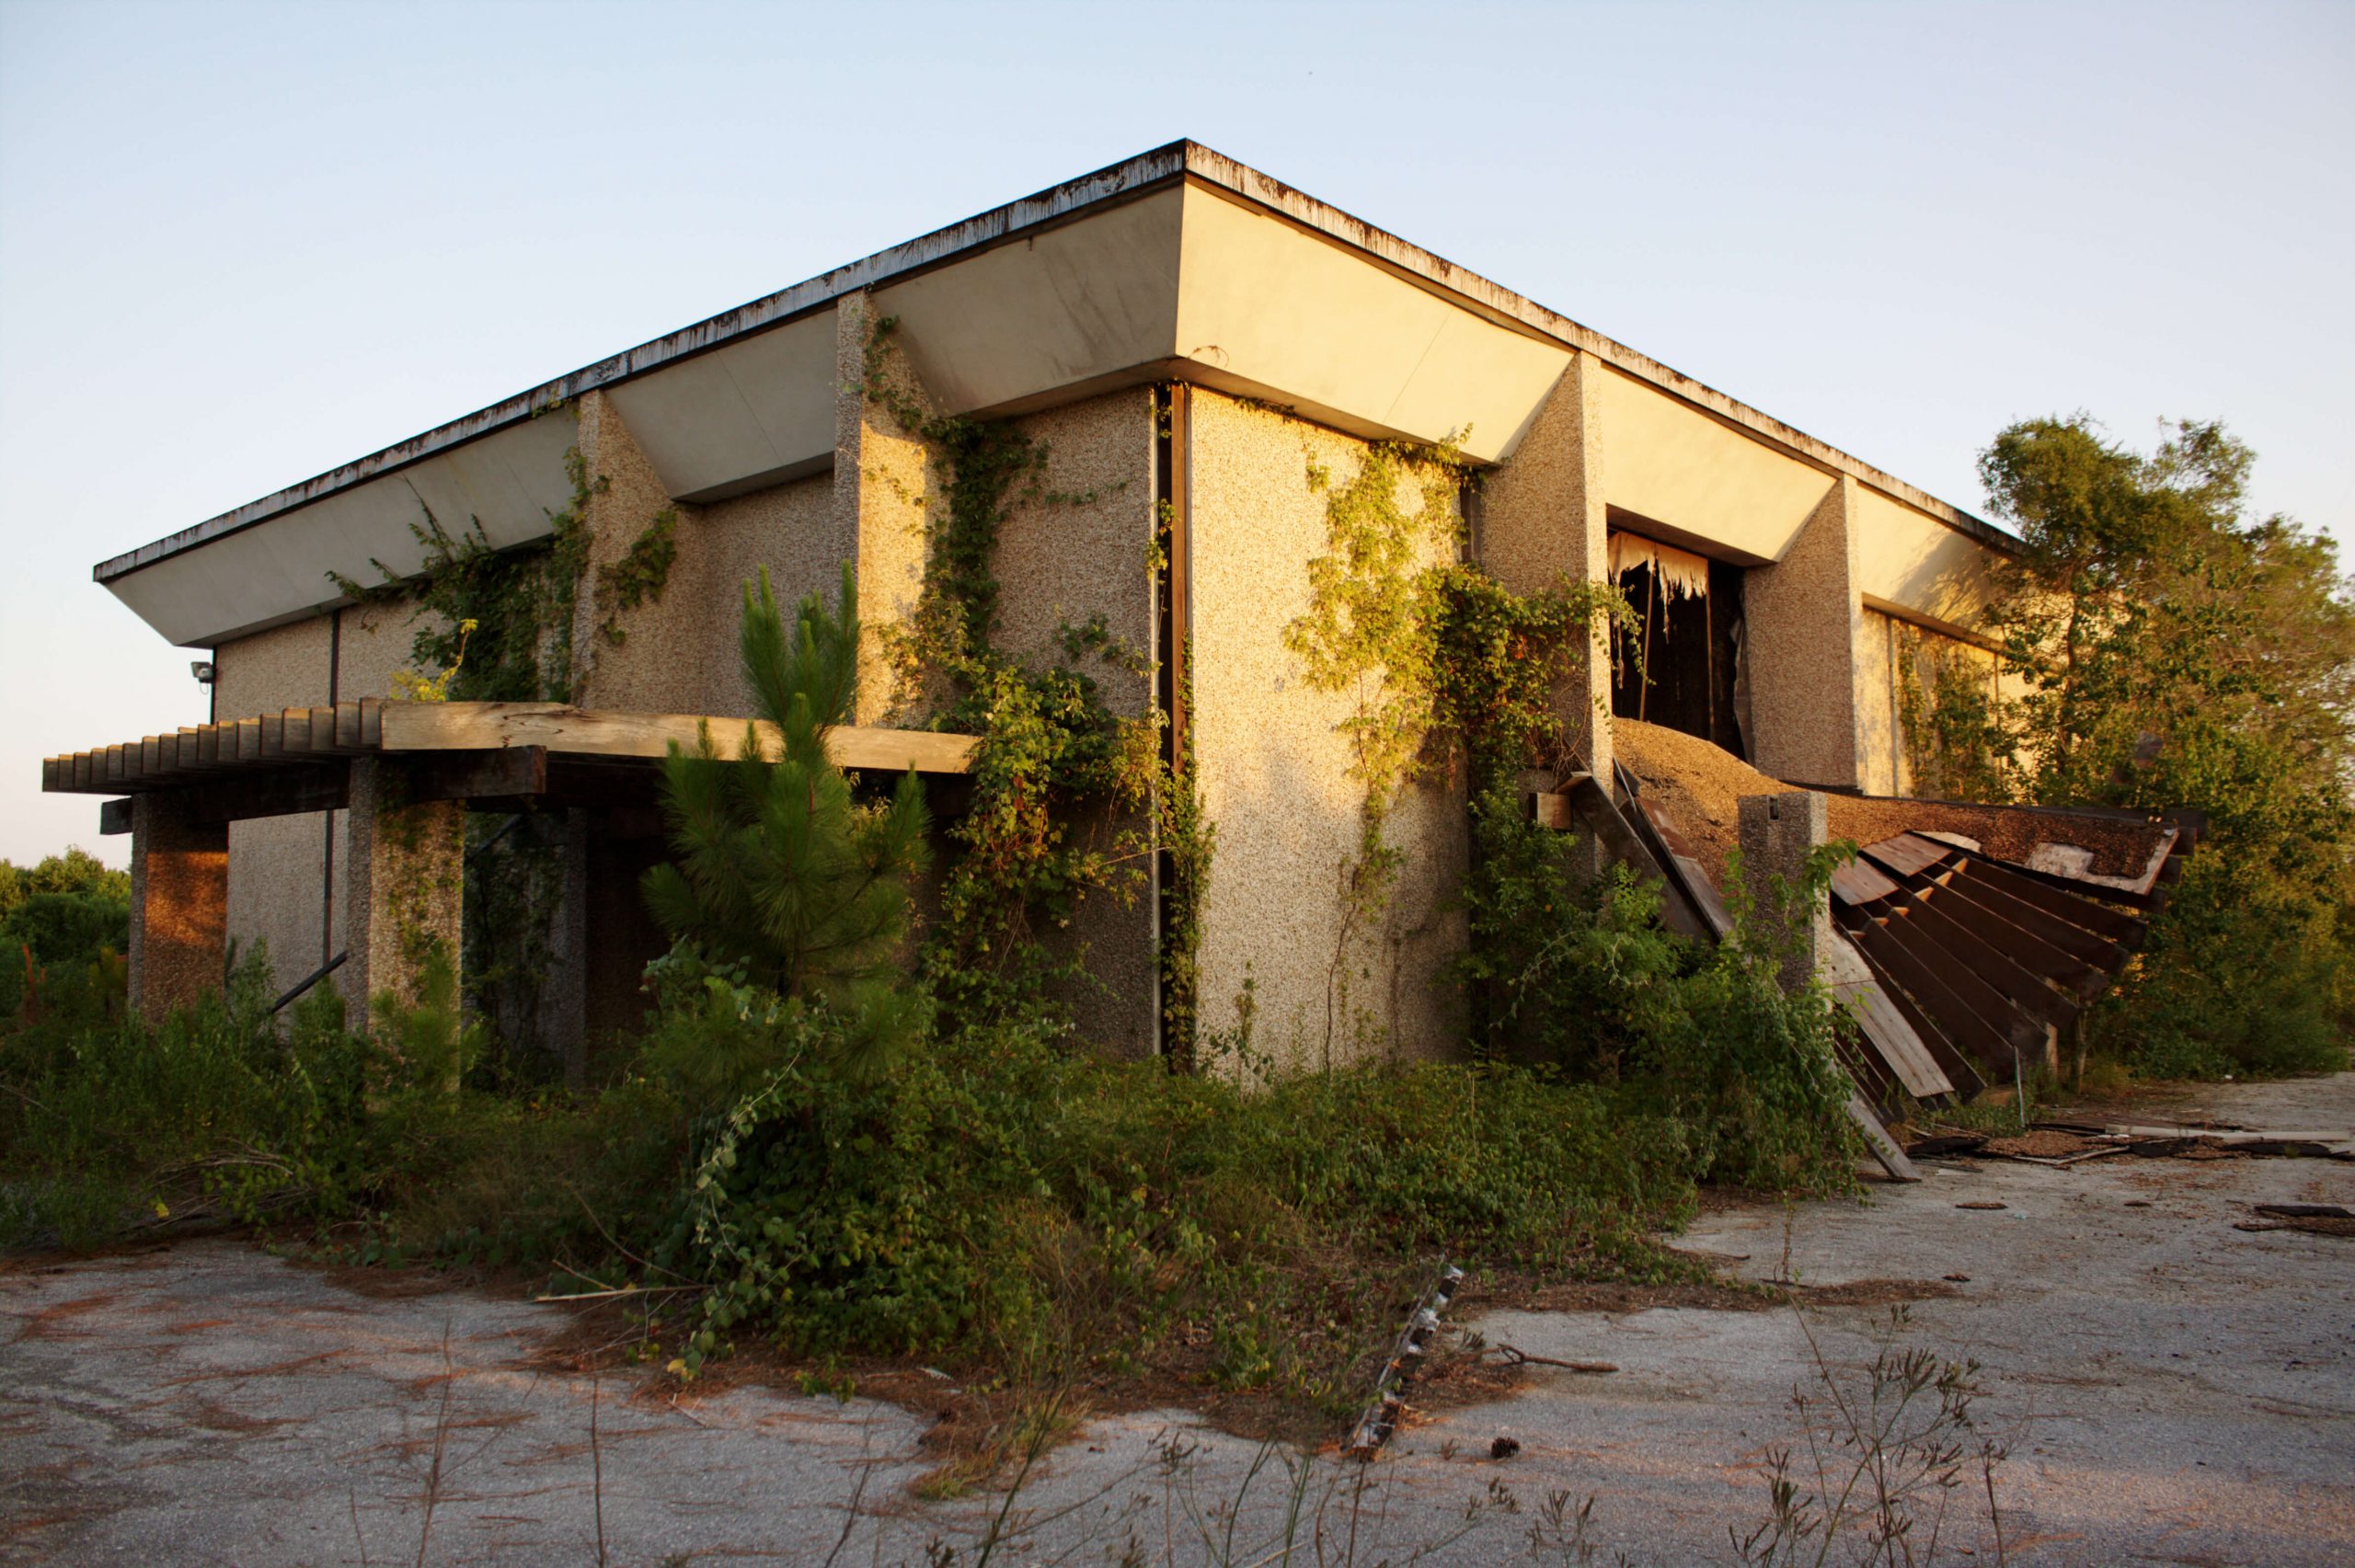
1515 1356
620 1290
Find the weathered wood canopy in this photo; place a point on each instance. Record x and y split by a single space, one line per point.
490 753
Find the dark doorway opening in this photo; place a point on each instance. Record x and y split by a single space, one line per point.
1682 666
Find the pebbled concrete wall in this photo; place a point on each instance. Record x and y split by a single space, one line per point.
1274 778
1804 630
678 653
1542 517
277 881
281 888
1075 545
786 528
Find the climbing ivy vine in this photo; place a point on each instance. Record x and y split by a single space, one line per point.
1069 799
498 625
1429 647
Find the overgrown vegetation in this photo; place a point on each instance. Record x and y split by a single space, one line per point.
65 927
2160 648
846 1136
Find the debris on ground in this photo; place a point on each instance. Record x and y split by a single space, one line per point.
2315 1225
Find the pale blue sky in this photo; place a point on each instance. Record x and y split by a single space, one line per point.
242 244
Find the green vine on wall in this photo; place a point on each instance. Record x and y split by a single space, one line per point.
498 625
1430 647
1053 758
638 577
1370 631
1956 742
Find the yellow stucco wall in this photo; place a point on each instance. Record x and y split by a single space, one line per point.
1910 558
1880 763
1730 494
1273 777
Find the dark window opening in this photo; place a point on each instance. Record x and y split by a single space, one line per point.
1681 667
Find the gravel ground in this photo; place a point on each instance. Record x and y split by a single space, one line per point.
2173 1391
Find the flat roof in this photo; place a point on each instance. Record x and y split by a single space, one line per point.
1149 171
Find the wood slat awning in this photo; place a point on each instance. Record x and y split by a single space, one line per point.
308 737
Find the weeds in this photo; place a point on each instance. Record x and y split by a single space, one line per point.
1887 1457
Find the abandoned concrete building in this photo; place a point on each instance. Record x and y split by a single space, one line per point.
1188 338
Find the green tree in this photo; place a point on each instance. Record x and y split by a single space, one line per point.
784 881
2170 649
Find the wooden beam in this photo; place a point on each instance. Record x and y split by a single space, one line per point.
1583 802
478 727
114 816
513 772
281 792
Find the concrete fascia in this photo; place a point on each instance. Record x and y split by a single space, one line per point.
1118 182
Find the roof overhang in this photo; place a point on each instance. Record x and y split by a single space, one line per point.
1178 264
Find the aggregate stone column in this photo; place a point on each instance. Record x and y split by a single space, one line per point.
403 887
1542 518
1803 628
1779 832
641 667
881 481
180 905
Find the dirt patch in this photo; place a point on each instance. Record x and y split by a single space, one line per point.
1712 1296
57 1321
2042 1143
1699 783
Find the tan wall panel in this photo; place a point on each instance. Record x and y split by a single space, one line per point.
283 667
377 643
1664 461
1274 774
789 529
1881 763
1060 562
277 865
1542 520
278 890
1085 551
1801 628
1911 559
1280 309
649 671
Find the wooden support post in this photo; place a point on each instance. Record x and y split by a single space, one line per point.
179 904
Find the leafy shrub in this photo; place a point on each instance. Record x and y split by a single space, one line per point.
1001 1198
221 1105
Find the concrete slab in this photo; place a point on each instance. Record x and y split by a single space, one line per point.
2173 1391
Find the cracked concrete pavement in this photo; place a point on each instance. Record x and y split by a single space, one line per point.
2173 1391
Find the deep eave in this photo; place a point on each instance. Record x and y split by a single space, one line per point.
1146 172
